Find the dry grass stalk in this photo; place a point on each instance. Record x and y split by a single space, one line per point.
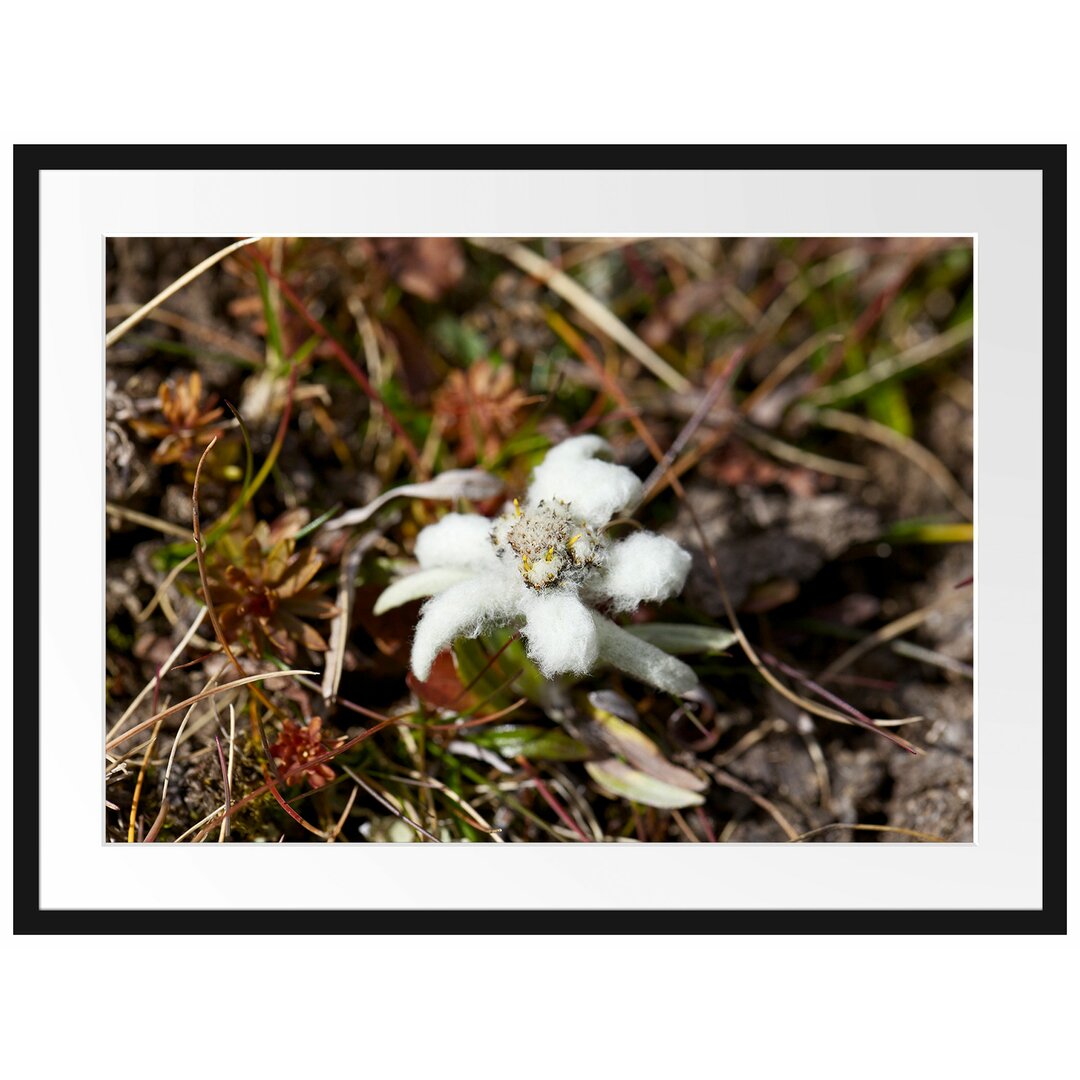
586 304
133 320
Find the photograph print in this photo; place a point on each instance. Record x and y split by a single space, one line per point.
439 539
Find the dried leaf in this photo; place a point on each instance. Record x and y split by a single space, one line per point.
770 595
474 484
478 408
619 780
426 266
443 687
300 631
339 629
639 750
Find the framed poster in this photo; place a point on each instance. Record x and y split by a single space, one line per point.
584 535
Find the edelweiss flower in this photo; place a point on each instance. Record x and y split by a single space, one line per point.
544 567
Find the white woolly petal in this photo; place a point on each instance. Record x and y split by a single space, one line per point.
559 633
578 448
456 540
467 609
642 568
644 661
595 490
422 583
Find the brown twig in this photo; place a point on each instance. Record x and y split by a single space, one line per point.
869 317
371 790
246 681
550 799
870 828
787 366
224 780
857 717
335 832
142 776
486 668
477 721
736 784
287 808
226 824
716 387
885 633
159 821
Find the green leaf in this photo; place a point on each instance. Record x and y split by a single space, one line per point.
249 454
273 327
679 638
930 532
321 520
458 340
534 743
306 349
887 404
619 780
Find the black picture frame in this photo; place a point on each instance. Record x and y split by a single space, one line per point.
30 160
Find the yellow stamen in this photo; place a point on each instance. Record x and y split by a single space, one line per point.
550 554
517 509
573 540
525 562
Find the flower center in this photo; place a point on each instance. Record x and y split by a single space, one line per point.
547 543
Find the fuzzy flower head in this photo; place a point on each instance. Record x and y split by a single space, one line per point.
551 547
545 566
